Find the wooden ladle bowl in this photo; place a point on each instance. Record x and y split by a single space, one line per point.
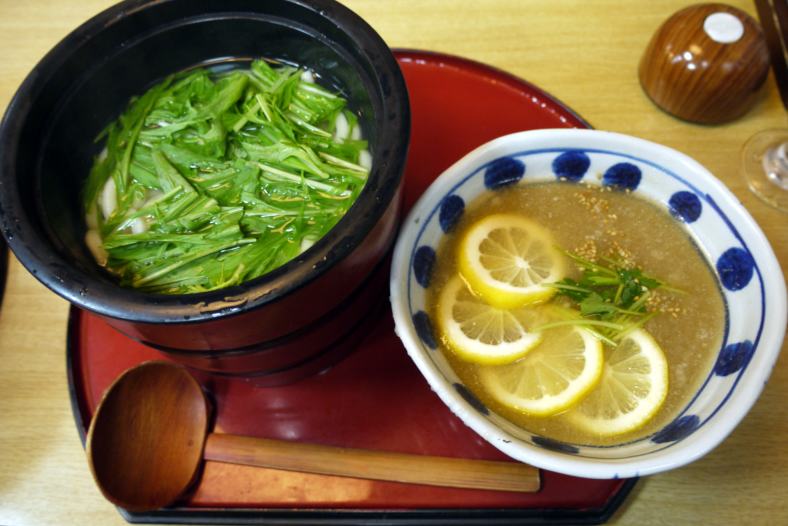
149 435
146 439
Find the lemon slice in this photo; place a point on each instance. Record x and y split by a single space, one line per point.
560 371
633 387
508 260
480 333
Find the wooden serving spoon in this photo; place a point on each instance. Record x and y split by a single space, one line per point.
150 433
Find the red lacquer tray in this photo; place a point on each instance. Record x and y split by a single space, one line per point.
375 398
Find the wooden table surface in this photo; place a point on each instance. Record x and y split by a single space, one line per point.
584 52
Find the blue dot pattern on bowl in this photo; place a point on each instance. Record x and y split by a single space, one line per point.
687 203
471 399
733 358
624 176
680 428
554 445
423 327
571 165
503 172
423 262
685 206
735 267
451 211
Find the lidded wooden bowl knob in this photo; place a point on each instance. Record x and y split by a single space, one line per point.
706 64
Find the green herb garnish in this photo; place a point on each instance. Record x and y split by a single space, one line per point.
209 180
611 300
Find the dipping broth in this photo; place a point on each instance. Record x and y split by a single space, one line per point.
596 223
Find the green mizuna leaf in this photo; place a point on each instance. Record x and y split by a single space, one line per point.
210 180
610 300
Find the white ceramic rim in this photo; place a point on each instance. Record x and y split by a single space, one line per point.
715 430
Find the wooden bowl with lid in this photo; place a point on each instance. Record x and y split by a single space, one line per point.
706 64
300 317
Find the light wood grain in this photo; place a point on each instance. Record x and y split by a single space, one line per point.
585 53
711 82
371 464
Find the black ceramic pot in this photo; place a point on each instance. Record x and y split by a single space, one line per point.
289 316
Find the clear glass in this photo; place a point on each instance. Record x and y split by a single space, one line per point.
765 166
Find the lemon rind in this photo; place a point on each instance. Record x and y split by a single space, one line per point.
497 293
474 350
634 420
554 404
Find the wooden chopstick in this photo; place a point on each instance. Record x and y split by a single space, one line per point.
376 465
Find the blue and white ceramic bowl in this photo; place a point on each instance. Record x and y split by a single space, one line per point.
747 270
